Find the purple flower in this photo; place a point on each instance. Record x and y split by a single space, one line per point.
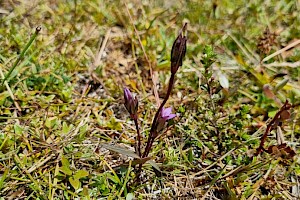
131 103
165 115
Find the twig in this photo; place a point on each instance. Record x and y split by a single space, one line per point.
40 163
283 64
98 56
281 50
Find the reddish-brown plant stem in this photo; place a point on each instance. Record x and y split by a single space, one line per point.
271 126
138 135
153 133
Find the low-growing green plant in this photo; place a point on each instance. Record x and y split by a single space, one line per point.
64 135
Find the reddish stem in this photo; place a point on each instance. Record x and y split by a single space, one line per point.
153 133
271 126
138 135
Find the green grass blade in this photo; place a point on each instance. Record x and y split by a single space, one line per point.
21 56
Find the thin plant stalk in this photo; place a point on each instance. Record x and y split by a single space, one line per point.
21 56
153 134
138 136
177 55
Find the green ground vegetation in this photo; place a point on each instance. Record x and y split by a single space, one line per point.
65 133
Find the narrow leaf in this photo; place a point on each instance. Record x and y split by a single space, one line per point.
154 165
120 150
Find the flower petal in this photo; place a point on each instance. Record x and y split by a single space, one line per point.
171 116
127 94
166 112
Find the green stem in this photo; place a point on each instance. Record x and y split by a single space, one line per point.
21 56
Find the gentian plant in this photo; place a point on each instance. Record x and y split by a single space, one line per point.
163 114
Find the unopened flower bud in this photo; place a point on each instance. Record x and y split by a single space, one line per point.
131 103
178 51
